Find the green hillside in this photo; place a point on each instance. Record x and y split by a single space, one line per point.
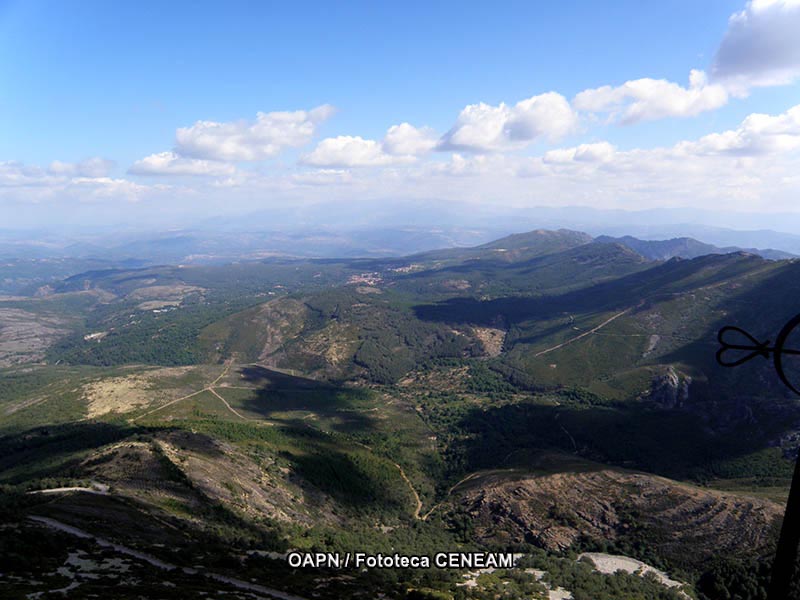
378 404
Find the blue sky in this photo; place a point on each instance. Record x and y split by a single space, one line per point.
91 92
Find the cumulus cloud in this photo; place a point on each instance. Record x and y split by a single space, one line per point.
91 167
469 166
104 188
485 128
15 174
402 144
250 141
587 153
752 167
761 46
66 182
758 134
323 177
351 151
169 163
407 140
648 99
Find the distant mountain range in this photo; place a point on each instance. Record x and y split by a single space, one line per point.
686 247
31 263
217 247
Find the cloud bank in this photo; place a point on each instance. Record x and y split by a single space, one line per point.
264 138
761 46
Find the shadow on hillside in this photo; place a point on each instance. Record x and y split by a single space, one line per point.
752 391
733 416
672 277
673 444
304 403
350 473
271 379
54 451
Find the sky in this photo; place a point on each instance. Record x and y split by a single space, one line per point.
165 113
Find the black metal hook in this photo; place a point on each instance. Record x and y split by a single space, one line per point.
757 348
786 554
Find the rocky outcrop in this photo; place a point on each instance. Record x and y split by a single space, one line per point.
555 511
671 389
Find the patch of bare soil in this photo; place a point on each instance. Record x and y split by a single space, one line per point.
337 343
278 322
456 284
367 289
158 304
442 379
554 511
491 338
122 394
164 292
611 563
222 473
184 471
24 336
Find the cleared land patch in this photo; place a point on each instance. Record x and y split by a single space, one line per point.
24 336
126 393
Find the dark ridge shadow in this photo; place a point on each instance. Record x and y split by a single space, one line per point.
725 429
44 449
358 481
673 277
267 378
277 393
751 391
199 443
673 444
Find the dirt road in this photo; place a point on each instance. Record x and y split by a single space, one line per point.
585 333
160 564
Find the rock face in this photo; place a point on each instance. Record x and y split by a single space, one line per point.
670 390
554 511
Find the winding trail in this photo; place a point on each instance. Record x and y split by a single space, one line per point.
160 564
100 491
449 492
230 408
418 509
170 403
585 333
417 499
208 388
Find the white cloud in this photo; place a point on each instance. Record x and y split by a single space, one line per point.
753 167
599 152
323 177
64 182
402 144
169 163
758 134
407 140
483 128
250 141
15 174
648 99
91 167
761 46
351 151
104 188
469 166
